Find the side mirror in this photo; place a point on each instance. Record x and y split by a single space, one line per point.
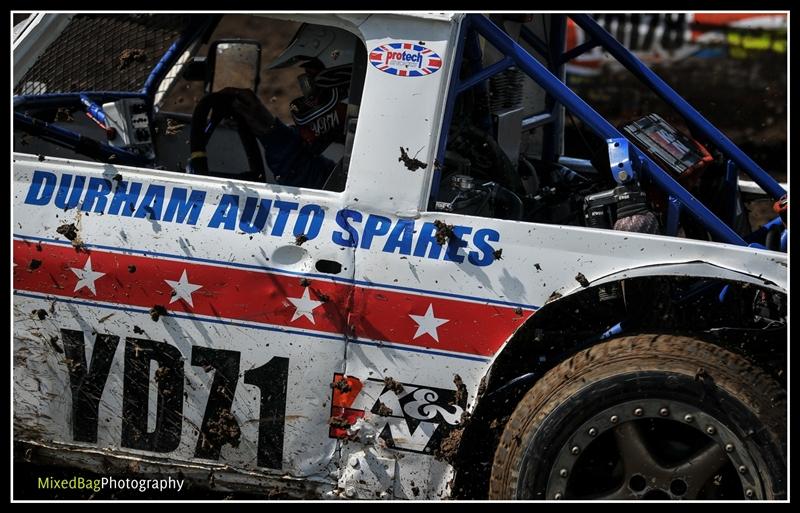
233 63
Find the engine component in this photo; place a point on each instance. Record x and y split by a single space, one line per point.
505 90
597 211
630 201
463 182
645 222
633 211
460 194
624 208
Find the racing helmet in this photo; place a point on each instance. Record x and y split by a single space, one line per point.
326 55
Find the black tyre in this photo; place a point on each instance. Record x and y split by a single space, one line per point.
646 417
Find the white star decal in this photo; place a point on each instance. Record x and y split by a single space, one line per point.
86 276
304 307
427 324
183 289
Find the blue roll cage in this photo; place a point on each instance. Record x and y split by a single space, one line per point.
627 160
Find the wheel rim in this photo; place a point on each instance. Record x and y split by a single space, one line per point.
653 449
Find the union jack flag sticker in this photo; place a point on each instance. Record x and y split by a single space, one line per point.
405 59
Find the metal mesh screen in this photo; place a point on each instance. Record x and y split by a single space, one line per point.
103 52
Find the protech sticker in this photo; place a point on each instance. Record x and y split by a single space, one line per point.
405 59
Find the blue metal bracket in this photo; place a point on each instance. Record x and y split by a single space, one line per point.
619 158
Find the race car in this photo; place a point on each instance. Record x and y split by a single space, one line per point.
396 284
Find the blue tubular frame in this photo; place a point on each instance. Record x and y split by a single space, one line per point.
680 198
454 90
72 139
485 73
77 142
171 56
37 101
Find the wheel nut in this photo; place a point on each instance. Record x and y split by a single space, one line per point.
638 412
557 496
614 419
688 417
575 450
663 412
710 430
748 493
742 469
563 472
728 447
592 432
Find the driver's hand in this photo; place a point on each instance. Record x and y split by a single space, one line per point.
248 106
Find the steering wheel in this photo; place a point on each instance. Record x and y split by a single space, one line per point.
207 115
